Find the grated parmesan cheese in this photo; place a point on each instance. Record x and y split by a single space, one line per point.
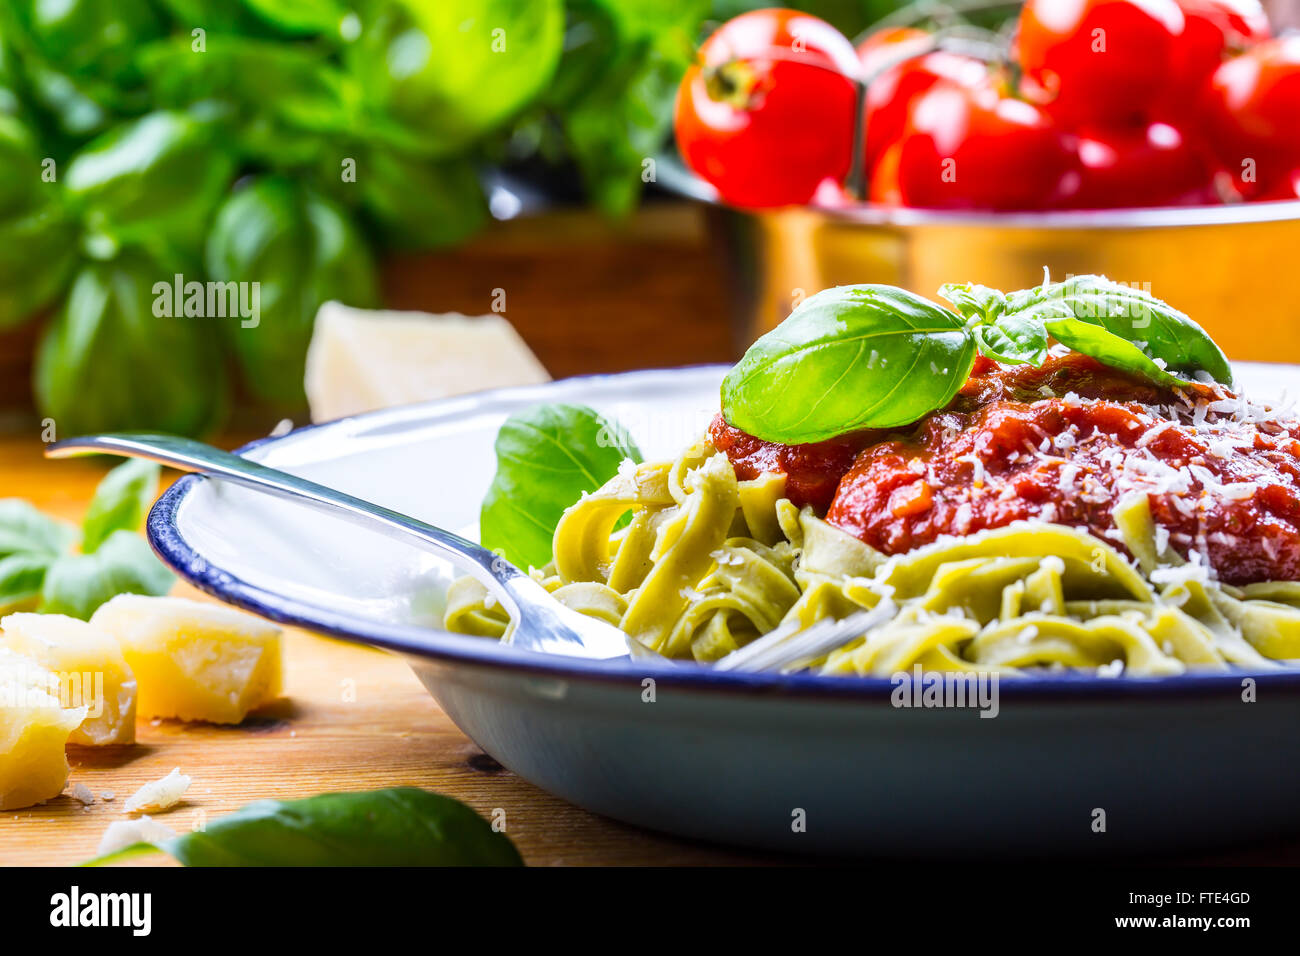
159 794
124 833
1114 669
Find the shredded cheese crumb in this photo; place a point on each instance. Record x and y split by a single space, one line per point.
1114 669
124 833
159 794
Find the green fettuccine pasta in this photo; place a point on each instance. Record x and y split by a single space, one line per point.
707 563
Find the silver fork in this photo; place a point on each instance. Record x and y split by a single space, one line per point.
791 648
539 622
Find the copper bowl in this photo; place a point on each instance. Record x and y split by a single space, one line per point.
1225 266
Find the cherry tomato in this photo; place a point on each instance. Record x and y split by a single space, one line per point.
891 94
1288 187
1252 115
766 114
1214 29
883 188
974 148
1098 61
885 46
833 194
1150 164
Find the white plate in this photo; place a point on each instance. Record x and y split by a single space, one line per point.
802 763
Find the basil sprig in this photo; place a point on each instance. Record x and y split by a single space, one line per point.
548 456
30 542
874 356
40 571
400 826
855 356
1122 312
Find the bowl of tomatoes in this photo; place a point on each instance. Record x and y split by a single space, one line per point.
1154 141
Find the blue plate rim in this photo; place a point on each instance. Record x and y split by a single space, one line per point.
428 644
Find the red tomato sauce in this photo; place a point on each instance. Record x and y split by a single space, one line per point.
1061 443
812 472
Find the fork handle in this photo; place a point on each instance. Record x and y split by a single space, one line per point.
193 456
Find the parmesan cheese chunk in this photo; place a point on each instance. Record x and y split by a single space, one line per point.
82 794
159 794
360 360
88 663
194 660
34 728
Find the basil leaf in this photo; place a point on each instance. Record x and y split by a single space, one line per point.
975 301
107 362
299 16
77 60
400 826
311 93
37 254
21 578
615 88
90 37
418 203
121 501
1014 340
299 250
216 16
78 107
37 236
441 75
23 529
547 457
1109 348
20 160
1131 314
77 584
851 357
160 175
